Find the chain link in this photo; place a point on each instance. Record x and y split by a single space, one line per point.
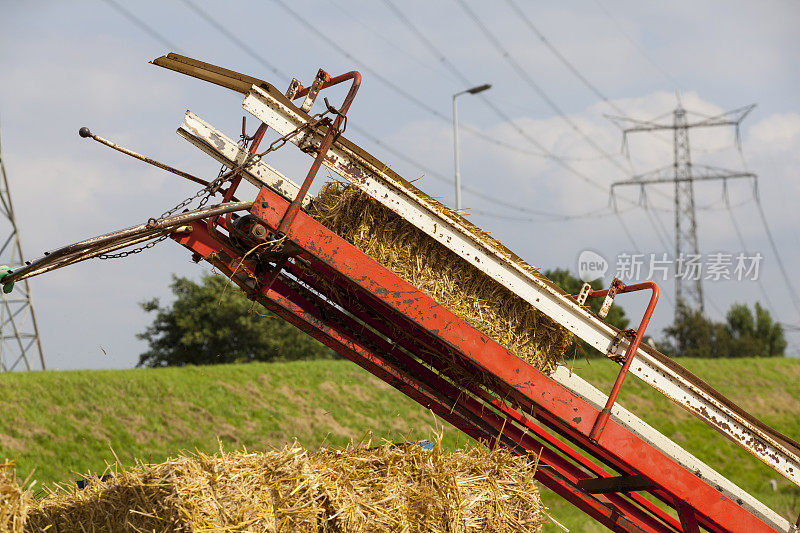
222 177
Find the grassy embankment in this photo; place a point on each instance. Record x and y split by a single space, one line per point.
60 423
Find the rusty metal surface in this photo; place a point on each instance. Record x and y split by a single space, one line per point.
225 150
366 275
654 368
468 242
533 389
476 419
224 77
88 248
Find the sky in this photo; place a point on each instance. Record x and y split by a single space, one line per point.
537 151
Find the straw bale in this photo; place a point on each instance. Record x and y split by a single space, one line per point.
360 488
443 275
13 500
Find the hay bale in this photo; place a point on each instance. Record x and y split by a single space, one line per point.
386 488
13 500
444 276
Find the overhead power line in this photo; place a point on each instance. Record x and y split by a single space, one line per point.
626 230
523 73
393 86
142 25
157 36
662 238
453 69
381 35
563 59
738 232
792 292
476 192
639 47
594 215
434 174
234 39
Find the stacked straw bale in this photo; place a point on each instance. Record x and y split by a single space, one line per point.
444 276
13 500
385 488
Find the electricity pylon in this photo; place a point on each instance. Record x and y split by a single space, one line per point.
20 347
688 293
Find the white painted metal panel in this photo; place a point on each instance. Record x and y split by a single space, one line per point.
216 144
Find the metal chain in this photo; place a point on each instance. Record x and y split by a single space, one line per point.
315 121
222 177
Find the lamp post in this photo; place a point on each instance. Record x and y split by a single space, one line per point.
474 90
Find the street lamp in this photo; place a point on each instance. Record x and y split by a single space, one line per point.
474 90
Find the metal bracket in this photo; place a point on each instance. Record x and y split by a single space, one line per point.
321 78
605 485
613 350
291 92
687 517
584 294
635 339
609 300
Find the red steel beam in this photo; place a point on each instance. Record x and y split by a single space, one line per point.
562 478
572 410
553 472
361 311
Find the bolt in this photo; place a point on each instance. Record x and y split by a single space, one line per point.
258 231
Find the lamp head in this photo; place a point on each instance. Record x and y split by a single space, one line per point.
479 88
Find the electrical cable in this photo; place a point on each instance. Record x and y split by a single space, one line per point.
738 231
397 48
528 22
596 214
535 86
655 228
455 71
142 25
405 94
475 192
792 292
636 45
627 232
234 39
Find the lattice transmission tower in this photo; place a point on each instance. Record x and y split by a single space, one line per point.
683 174
20 347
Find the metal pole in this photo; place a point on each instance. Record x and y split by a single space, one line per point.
473 90
455 152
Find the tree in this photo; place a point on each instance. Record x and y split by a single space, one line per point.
758 335
616 316
743 334
692 335
213 322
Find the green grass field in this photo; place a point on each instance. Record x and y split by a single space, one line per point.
63 423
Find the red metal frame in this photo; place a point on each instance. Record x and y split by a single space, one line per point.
327 141
380 303
322 81
618 287
354 305
475 418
